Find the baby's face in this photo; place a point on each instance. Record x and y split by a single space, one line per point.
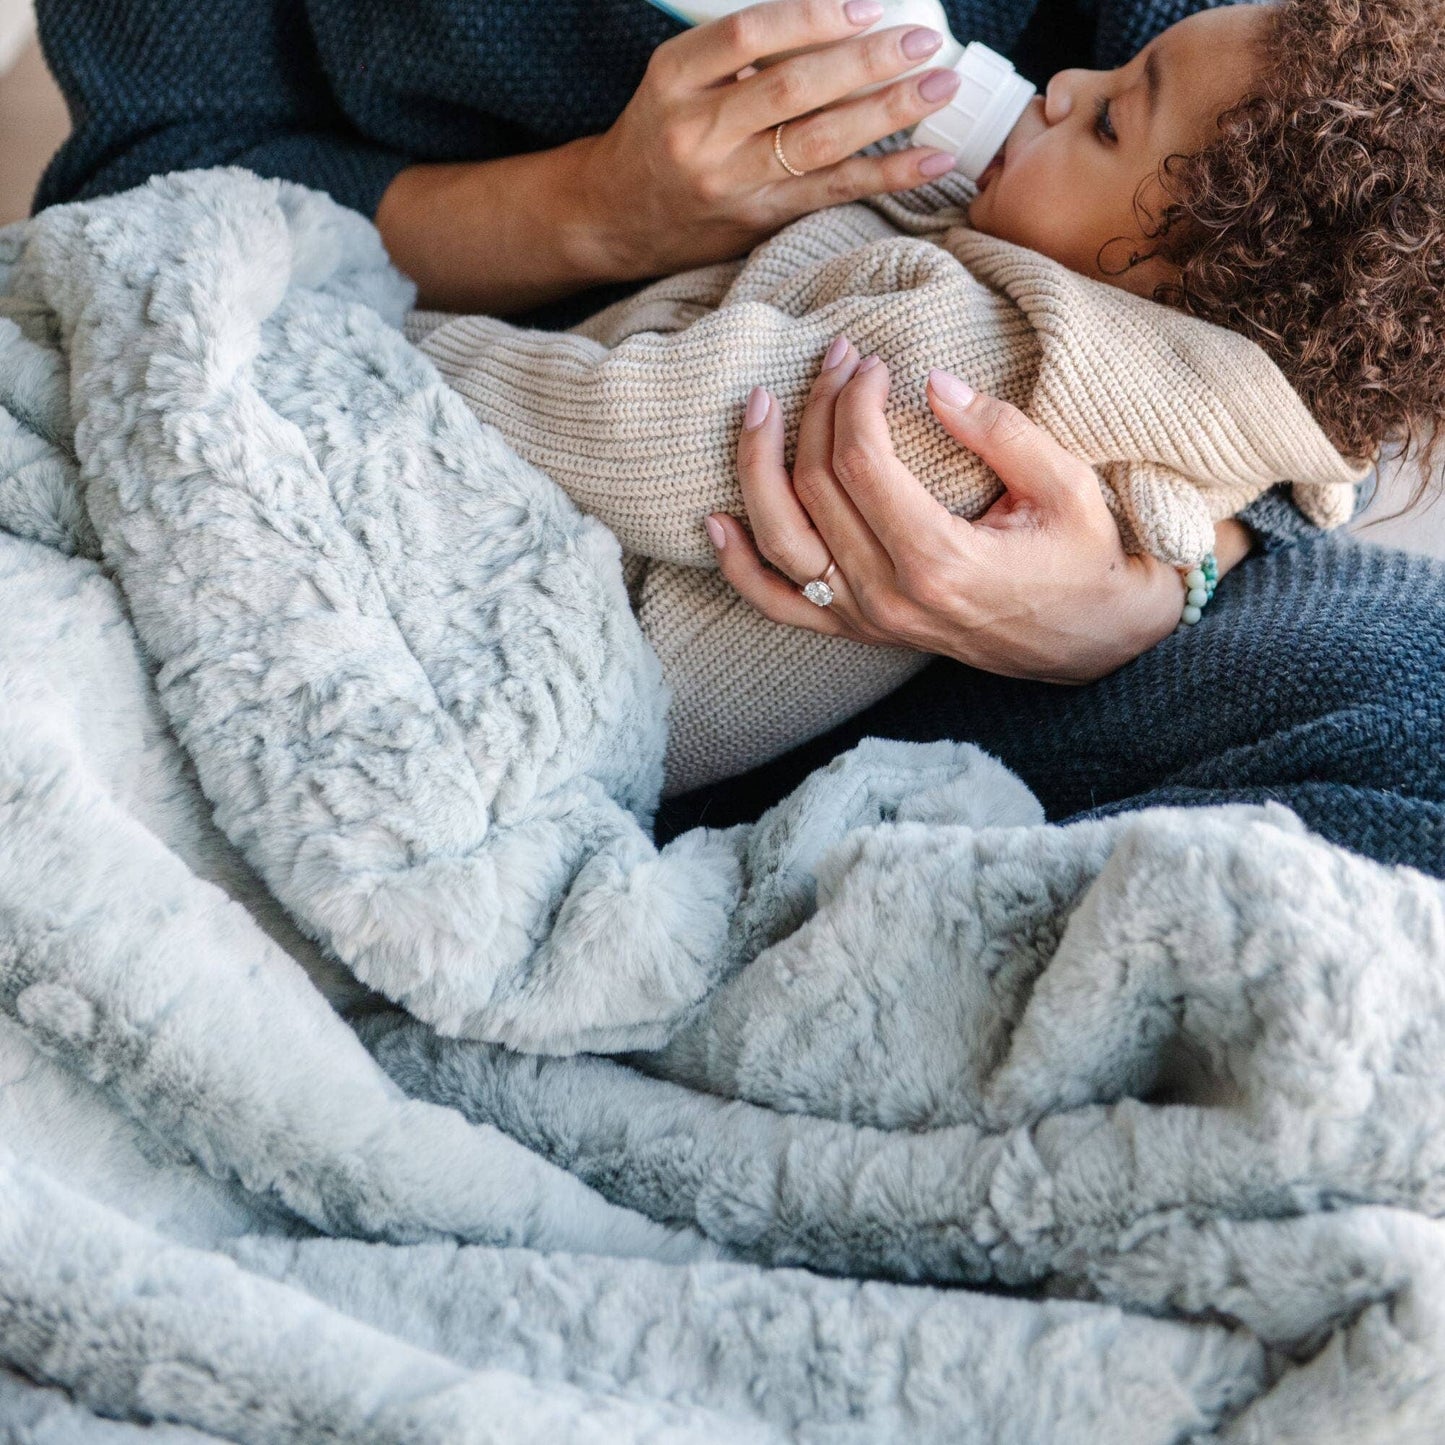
1077 179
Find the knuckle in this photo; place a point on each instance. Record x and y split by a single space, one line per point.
710 187
882 56
777 549
661 72
844 184
879 607
927 587
813 144
900 106
742 33
1002 423
786 90
810 487
852 461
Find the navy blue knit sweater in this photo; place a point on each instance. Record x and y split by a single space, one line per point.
341 94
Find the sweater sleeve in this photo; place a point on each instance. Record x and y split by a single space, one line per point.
1276 523
163 85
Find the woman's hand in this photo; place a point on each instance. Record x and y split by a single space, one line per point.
687 175
1038 587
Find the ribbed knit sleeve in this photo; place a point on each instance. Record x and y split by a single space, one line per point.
1276 522
162 85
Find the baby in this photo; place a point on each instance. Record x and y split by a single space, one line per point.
1219 267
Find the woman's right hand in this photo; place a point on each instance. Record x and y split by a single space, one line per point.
687 175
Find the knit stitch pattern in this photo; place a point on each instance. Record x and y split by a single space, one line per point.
342 94
636 415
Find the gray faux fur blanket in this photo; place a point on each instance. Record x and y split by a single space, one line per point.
327 750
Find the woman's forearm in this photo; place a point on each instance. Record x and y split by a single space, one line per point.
498 236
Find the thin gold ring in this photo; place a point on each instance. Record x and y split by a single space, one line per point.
783 161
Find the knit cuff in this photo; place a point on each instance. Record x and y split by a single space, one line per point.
1276 523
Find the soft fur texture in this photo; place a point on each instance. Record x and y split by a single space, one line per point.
1181 1066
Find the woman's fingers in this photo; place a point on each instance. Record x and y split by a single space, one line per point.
805 83
831 136
784 532
897 508
778 599
1028 461
717 51
848 538
862 176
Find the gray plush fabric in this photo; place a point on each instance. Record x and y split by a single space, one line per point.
326 759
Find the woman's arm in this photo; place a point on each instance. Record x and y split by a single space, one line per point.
1038 587
688 174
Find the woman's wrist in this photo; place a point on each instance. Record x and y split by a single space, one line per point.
501 236
1233 542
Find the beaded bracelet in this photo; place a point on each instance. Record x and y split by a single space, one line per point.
1199 585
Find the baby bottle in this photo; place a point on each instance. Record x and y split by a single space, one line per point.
974 124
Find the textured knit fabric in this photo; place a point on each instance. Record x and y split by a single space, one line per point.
637 419
341 94
1316 680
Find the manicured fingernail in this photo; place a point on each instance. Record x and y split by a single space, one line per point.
836 352
937 164
715 533
938 85
863 12
949 389
867 364
920 44
759 403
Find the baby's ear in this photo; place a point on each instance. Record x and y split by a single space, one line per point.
1164 509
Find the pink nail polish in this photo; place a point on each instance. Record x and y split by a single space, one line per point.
759 404
938 85
716 533
863 12
950 390
920 44
867 364
836 352
937 164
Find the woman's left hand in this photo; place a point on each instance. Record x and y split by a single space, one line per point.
1038 587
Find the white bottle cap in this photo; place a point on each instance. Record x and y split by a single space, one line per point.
991 97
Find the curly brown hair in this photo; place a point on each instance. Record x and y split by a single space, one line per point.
1315 223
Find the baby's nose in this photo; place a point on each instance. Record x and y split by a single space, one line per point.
1059 96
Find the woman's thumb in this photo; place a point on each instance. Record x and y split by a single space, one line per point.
1028 461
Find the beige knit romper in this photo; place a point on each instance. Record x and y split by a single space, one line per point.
636 415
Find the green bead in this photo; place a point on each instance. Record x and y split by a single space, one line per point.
1194 578
1191 615
1196 597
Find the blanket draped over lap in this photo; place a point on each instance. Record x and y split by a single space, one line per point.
327 751
637 413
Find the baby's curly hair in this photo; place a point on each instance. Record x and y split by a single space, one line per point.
1315 223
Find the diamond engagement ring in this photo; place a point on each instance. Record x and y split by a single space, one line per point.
786 164
818 592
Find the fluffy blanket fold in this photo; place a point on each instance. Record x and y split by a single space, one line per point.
324 790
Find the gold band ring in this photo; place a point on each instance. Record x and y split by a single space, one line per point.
783 161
